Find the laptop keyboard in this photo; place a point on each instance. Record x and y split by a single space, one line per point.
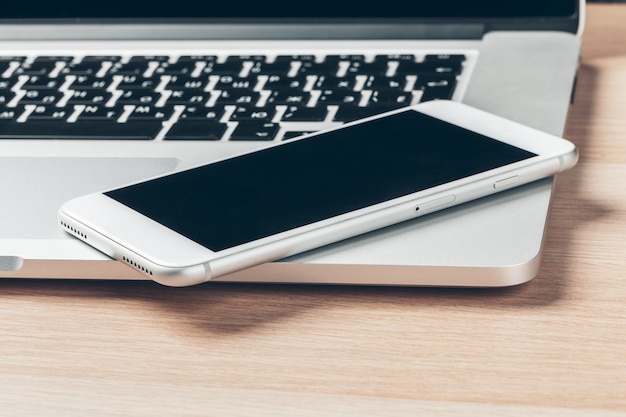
210 98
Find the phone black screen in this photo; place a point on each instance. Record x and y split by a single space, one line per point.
256 195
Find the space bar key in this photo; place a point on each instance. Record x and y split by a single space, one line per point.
98 130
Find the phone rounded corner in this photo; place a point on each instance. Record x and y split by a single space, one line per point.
181 277
63 212
61 216
569 160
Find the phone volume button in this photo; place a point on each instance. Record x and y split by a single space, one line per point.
505 182
429 205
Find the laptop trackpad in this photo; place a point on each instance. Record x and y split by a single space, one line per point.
33 189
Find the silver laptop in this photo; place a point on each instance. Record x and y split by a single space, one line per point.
92 97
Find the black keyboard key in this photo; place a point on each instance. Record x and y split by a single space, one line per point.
47 129
339 97
101 113
351 113
391 98
282 64
139 97
84 82
82 68
197 58
196 130
245 58
318 68
6 97
36 82
151 113
329 82
36 68
178 68
225 68
7 59
101 58
203 113
187 97
40 59
394 57
237 97
295 134
282 82
149 58
441 92
344 58
292 58
289 97
227 82
367 68
415 68
145 62
385 83
135 82
7 83
444 58
10 113
271 68
255 131
49 113
178 82
41 97
433 79
130 68
263 114
305 114
98 97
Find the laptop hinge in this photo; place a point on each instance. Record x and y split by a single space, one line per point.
241 31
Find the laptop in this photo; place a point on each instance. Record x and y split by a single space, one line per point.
96 96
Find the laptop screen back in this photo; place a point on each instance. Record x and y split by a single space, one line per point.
79 10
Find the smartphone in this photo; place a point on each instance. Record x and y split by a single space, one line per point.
190 226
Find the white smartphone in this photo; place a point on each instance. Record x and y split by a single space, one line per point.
188 227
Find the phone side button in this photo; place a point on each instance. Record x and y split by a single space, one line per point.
429 205
506 182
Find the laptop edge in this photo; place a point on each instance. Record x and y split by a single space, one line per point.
477 244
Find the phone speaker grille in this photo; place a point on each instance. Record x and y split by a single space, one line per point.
74 231
136 265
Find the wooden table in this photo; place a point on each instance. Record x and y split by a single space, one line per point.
553 347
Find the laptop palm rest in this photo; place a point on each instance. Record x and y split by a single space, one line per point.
33 189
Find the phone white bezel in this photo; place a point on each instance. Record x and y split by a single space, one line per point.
173 259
